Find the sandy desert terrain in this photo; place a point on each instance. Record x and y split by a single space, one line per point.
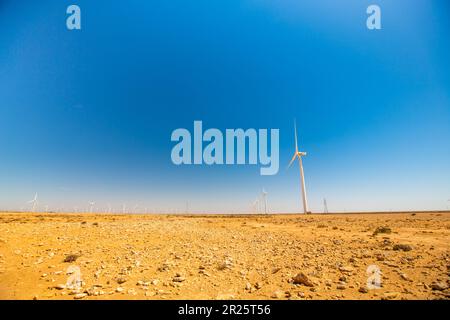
86 256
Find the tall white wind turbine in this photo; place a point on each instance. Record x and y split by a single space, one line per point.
298 155
256 206
34 202
91 206
264 197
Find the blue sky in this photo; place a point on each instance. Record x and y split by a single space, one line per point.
87 115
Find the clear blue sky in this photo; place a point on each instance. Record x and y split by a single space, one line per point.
87 115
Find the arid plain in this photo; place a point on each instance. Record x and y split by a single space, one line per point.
87 256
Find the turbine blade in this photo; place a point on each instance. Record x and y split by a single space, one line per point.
292 160
295 130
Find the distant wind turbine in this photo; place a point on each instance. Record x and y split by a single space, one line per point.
256 205
325 206
34 202
298 155
91 206
264 197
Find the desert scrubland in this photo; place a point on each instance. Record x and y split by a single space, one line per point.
335 256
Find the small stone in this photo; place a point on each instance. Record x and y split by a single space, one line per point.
225 296
303 279
248 286
438 286
121 280
119 289
346 269
79 296
402 247
178 278
71 258
404 276
278 294
363 290
341 287
382 230
60 287
258 285
390 295
275 270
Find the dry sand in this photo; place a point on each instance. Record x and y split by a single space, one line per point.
223 257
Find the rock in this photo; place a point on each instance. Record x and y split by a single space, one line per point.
248 286
60 287
225 296
438 286
119 289
346 269
363 290
380 257
277 294
71 258
390 295
341 287
275 270
404 276
121 280
302 279
258 285
79 296
178 278
382 230
402 247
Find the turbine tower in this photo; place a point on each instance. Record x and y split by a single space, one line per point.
298 155
325 206
256 206
34 202
91 206
264 197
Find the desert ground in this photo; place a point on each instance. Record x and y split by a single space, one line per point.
99 256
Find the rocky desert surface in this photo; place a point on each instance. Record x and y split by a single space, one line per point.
334 256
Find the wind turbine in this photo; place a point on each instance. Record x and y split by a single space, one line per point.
91 206
264 197
34 202
124 208
256 205
298 155
325 206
